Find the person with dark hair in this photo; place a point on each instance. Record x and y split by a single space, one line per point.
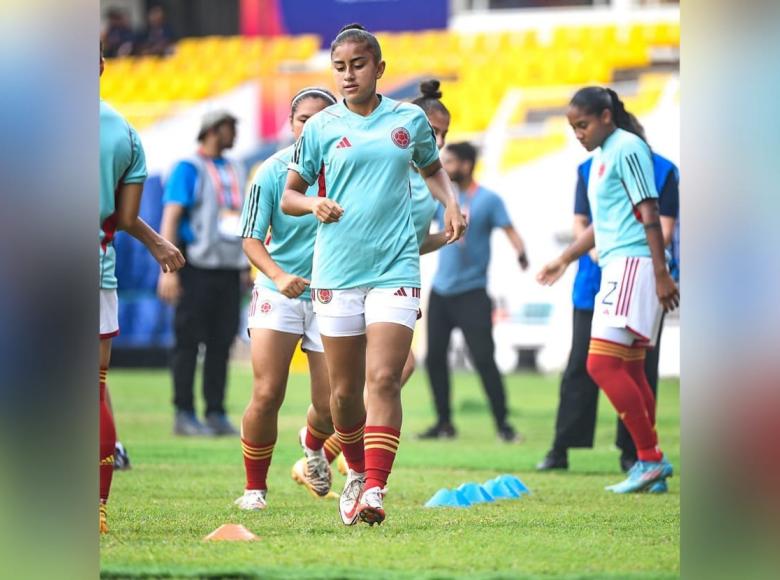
202 211
281 315
157 39
575 424
423 212
366 272
122 177
636 286
118 36
459 297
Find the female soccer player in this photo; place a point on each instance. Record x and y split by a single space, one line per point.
122 176
423 210
635 285
280 314
366 275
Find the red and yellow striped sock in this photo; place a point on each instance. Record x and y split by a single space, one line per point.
107 440
352 446
381 448
607 364
257 459
332 447
315 439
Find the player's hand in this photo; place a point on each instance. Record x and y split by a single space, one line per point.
594 255
169 288
327 211
290 285
668 293
523 261
551 272
454 223
167 255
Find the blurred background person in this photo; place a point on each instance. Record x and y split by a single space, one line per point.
157 39
118 36
459 297
575 424
203 200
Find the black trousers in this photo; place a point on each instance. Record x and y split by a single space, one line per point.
207 313
575 424
472 313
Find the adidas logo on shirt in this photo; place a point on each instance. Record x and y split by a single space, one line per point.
343 143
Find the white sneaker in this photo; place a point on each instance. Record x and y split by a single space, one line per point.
350 497
252 500
371 509
316 475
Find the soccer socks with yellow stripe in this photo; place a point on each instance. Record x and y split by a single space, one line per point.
107 441
351 440
608 365
381 447
332 447
257 459
315 439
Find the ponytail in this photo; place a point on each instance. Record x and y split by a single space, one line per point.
593 101
624 119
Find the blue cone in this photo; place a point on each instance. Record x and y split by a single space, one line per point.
513 482
500 490
475 493
448 498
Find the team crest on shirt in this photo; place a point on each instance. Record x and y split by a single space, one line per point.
324 296
401 137
266 307
602 169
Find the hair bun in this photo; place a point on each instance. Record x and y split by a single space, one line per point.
352 26
430 89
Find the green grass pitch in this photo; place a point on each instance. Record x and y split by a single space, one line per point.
181 489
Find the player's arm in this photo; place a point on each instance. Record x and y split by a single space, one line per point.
552 271
433 242
296 202
255 221
439 185
128 203
517 244
667 291
290 285
580 224
168 286
167 254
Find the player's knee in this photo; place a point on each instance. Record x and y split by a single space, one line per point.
266 397
384 382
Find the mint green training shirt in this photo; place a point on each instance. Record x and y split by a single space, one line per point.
292 238
621 177
365 163
122 160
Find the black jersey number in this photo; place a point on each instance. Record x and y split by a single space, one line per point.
607 300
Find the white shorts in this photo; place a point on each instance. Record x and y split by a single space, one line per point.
349 312
109 313
627 310
274 311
